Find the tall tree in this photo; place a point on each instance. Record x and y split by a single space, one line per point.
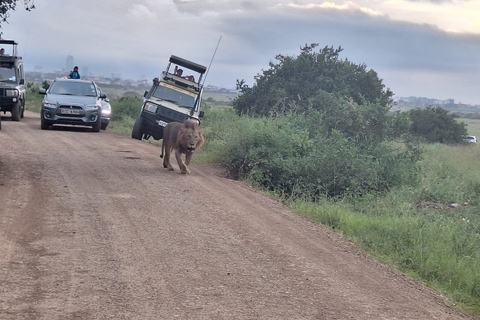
337 94
8 5
292 82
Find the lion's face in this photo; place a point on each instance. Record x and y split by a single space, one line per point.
191 138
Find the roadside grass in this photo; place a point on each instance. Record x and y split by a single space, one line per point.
473 126
413 228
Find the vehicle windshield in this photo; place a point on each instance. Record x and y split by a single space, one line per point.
183 99
73 88
7 75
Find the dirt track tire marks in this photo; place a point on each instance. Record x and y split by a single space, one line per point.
93 227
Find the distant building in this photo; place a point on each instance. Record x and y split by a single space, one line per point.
69 63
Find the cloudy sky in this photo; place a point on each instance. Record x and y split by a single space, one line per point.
426 48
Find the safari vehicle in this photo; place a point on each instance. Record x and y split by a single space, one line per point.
12 80
175 96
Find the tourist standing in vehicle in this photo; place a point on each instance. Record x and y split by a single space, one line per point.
74 74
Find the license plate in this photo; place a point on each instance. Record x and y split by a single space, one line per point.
161 123
70 111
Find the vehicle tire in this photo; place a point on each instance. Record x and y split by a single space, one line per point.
22 113
97 125
43 123
104 126
16 112
137 131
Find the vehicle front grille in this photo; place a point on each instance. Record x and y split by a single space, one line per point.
4 100
170 115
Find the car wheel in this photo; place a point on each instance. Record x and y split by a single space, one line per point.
97 125
104 125
137 131
43 123
16 112
22 113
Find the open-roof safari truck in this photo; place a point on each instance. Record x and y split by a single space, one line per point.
12 80
175 96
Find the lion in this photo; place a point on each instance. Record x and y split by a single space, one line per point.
185 138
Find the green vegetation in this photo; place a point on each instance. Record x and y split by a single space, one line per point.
318 81
411 226
344 160
434 124
321 127
34 99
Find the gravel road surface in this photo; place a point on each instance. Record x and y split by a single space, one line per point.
93 227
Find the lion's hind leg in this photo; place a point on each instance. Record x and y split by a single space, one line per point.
163 148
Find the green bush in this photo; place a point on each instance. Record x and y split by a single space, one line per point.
126 108
435 124
33 100
293 83
282 155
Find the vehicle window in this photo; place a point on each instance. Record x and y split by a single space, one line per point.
73 88
174 96
7 75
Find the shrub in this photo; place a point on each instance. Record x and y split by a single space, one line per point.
126 107
282 155
435 124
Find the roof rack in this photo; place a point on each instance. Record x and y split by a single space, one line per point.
188 64
13 44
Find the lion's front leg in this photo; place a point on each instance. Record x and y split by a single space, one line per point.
181 164
188 157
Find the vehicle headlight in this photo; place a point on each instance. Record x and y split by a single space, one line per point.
91 106
49 104
106 111
150 107
11 92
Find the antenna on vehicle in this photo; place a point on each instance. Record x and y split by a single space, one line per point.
206 74
218 43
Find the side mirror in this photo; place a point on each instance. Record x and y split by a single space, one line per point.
42 91
22 81
201 114
103 96
145 94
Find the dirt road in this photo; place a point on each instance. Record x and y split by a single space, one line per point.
93 227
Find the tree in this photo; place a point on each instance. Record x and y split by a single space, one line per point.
8 5
290 84
435 124
337 94
316 126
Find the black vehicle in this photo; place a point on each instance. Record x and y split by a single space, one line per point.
174 96
12 80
